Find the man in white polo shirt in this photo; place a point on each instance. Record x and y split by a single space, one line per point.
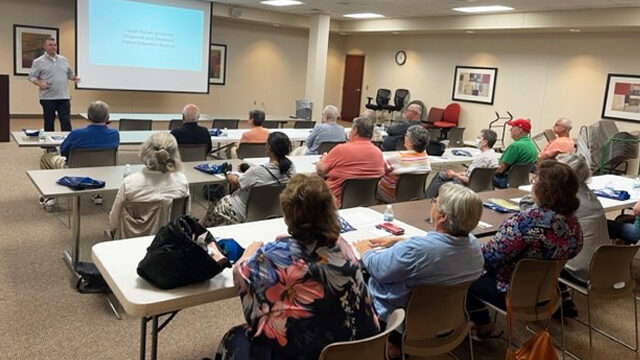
50 73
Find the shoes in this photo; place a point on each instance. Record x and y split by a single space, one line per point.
569 310
493 334
97 199
47 203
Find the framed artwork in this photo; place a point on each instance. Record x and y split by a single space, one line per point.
218 64
474 84
622 97
28 44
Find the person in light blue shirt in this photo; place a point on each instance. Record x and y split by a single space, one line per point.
328 131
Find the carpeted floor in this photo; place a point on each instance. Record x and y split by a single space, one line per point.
43 317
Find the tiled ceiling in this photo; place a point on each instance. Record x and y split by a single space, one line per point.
424 8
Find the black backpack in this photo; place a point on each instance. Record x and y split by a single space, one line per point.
177 257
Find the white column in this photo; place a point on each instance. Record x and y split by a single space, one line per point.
317 63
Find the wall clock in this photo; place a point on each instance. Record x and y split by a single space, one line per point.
401 57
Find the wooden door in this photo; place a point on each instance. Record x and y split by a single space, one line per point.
352 87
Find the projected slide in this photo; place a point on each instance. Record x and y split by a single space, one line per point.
141 45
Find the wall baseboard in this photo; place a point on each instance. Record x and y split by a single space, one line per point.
31 116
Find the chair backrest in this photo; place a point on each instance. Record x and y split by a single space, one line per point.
135 124
481 179
179 207
92 157
251 150
540 141
225 123
610 275
304 124
456 137
410 187
359 192
174 124
423 117
383 96
371 348
193 152
451 113
435 114
434 133
533 289
550 135
326 146
270 124
437 320
518 175
142 218
401 98
264 202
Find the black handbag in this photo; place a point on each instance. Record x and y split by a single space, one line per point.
177 255
435 148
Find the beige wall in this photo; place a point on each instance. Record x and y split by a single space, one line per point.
541 77
265 65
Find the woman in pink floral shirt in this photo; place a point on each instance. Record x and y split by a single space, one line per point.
546 231
300 292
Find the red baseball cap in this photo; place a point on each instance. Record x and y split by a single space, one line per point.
523 124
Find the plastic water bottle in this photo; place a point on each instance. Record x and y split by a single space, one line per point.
42 136
609 185
127 171
224 132
388 214
636 184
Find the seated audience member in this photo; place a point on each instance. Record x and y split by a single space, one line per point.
412 161
621 229
562 144
327 131
396 132
302 291
358 158
486 159
160 179
190 133
232 208
255 134
447 255
96 135
521 151
547 231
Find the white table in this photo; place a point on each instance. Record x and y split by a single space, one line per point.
618 182
118 261
45 182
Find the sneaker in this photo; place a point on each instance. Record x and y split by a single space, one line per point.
47 203
97 199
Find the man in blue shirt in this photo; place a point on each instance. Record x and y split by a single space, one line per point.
328 131
96 135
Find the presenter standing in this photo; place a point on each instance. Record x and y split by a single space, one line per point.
50 73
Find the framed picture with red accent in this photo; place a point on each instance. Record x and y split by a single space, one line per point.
474 84
622 97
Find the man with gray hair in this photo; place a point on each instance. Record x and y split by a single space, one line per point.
328 131
562 144
358 158
190 133
96 135
412 115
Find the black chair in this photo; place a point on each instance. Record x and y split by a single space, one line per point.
174 124
270 124
519 175
326 146
410 187
481 179
304 124
135 124
400 100
225 123
92 157
251 150
264 202
193 152
359 192
382 99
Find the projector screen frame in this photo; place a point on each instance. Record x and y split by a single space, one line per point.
75 35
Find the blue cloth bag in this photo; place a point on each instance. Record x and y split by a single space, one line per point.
80 182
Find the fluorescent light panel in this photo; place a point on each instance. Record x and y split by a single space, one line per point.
281 2
482 9
363 16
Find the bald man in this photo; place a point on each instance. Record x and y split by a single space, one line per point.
412 116
190 133
562 144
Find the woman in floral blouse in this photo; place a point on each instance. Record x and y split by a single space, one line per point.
301 292
546 231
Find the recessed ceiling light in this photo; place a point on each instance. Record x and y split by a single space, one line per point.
276 25
363 16
575 30
469 32
395 33
481 9
281 2
343 33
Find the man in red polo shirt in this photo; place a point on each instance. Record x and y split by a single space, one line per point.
358 158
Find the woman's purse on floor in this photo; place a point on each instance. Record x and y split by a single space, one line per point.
177 255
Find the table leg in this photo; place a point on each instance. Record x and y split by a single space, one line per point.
154 338
143 338
72 258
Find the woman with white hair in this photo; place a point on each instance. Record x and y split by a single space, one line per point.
160 179
447 255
